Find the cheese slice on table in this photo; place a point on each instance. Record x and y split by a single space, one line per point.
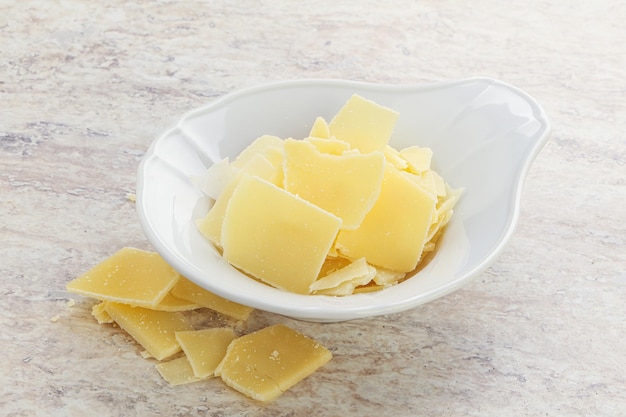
100 313
177 371
205 349
393 233
366 125
172 303
187 290
130 276
154 330
266 363
346 185
276 236
320 128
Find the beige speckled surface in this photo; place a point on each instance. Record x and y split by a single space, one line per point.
85 87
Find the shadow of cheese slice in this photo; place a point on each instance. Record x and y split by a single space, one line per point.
264 364
130 276
276 236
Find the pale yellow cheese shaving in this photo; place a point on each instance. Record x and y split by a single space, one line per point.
177 371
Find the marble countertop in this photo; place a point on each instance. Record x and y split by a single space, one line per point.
86 86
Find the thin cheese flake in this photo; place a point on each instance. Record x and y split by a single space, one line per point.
177 371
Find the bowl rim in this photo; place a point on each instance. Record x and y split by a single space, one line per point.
322 313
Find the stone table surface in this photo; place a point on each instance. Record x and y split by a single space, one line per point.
86 86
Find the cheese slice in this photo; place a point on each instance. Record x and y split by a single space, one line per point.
205 349
255 165
177 371
130 276
394 231
267 145
100 313
320 128
356 273
332 146
154 330
366 125
386 277
276 236
187 290
395 158
418 158
266 363
346 185
173 303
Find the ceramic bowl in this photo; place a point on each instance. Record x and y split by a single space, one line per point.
484 135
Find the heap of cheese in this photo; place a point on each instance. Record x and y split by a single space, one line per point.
144 296
337 212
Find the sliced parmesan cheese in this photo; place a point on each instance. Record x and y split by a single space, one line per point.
266 145
393 233
386 277
177 371
366 125
266 363
99 312
276 236
320 128
173 303
393 157
346 185
205 349
131 276
331 146
187 290
418 158
357 273
391 204
154 330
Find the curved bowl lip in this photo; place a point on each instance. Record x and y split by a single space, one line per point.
322 314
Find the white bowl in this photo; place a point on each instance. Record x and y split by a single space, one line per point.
484 135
